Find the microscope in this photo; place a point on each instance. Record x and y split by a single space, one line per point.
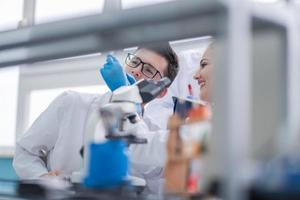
109 134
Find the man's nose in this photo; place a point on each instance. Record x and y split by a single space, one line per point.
136 72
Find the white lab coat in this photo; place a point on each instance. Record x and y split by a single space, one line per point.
59 132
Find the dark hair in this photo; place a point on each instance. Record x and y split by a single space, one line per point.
165 50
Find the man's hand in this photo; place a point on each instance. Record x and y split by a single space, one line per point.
51 174
114 74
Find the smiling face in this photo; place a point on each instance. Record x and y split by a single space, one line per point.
204 75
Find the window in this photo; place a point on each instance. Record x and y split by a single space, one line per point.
53 10
11 14
40 99
9 80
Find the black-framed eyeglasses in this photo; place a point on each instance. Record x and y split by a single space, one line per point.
147 69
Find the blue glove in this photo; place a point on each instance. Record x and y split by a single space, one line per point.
114 75
130 79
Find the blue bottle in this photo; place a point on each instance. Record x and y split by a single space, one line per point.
108 165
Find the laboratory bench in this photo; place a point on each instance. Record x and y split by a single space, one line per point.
20 190
17 190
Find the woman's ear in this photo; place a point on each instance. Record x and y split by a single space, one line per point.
163 93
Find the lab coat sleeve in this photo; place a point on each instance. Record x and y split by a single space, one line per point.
154 153
42 135
27 165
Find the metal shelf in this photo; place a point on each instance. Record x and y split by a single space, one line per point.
110 31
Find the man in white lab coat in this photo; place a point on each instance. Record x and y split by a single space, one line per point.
51 145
